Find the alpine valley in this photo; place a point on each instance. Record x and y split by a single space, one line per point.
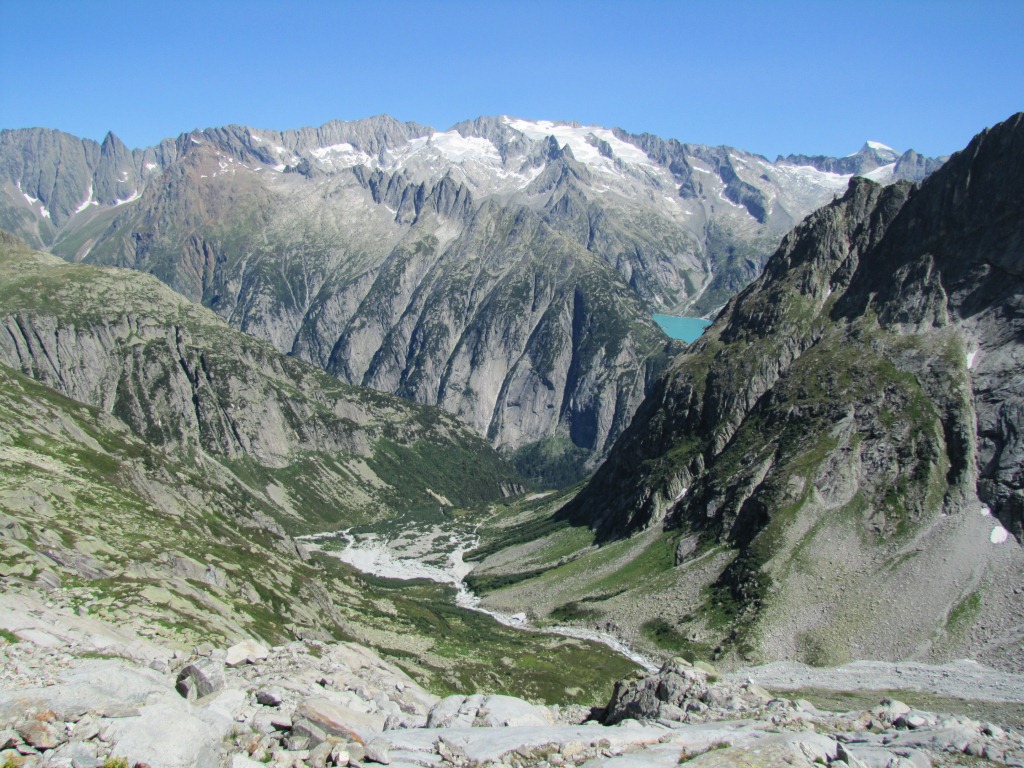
504 270
360 444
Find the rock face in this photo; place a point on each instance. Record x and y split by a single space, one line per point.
187 384
849 422
504 269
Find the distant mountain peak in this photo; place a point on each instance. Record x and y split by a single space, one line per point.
878 146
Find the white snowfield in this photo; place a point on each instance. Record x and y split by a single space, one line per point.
619 165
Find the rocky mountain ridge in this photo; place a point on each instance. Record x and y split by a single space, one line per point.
504 269
846 428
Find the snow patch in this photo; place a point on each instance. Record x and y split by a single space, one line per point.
970 359
45 213
150 166
87 202
985 511
879 147
460 149
999 535
342 155
882 173
579 137
808 174
134 196
31 200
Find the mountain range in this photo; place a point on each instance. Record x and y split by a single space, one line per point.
505 270
832 472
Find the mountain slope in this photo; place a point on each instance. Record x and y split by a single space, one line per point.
165 496
504 269
189 385
836 462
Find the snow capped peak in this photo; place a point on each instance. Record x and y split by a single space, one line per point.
878 146
584 141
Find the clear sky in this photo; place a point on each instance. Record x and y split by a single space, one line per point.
771 77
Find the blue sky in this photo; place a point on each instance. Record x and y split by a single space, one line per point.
769 77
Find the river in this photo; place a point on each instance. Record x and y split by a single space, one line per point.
437 553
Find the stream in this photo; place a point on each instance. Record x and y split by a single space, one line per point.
436 553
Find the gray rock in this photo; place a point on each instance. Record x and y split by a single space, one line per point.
40 735
270 697
305 735
246 652
675 684
340 754
485 711
201 678
74 754
338 720
378 751
320 754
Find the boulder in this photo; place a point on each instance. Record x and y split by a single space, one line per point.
270 697
338 720
378 751
40 735
320 754
245 652
677 684
486 711
75 754
200 678
305 735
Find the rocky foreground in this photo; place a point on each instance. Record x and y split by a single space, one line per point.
76 692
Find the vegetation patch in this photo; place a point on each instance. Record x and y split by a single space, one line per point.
467 474
9 637
554 462
668 637
574 611
499 539
964 614
488 583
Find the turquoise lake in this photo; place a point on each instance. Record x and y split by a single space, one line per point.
687 329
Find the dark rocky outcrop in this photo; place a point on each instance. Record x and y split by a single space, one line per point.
862 395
